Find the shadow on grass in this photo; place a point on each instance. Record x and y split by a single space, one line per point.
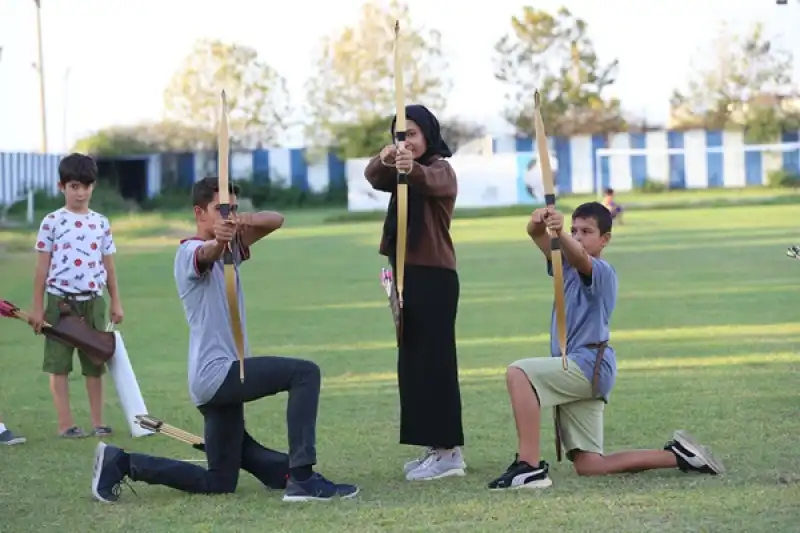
687 333
708 364
543 295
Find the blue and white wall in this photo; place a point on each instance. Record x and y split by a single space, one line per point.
287 167
579 168
22 171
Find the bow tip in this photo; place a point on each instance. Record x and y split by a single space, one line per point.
396 27
537 100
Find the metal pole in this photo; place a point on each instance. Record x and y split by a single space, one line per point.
66 108
42 105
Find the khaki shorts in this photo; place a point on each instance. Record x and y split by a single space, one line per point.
581 416
57 355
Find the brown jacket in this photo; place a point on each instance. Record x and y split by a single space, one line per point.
437 182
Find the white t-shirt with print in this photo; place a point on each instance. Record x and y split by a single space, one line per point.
78 242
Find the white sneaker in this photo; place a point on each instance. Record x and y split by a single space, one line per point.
439 464
413 464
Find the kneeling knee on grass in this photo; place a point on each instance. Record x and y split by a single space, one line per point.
541 383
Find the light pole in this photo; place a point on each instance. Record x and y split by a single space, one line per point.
40 70
66 108
42 105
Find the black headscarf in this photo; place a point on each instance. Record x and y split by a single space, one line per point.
429 127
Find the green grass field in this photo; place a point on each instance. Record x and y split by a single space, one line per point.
706 331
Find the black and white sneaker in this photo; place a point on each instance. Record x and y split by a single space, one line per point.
108 472
692 456
8 438
522 475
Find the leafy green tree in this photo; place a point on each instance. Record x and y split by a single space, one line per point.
745 82
147 138
366 139
554 54
258 99
351 92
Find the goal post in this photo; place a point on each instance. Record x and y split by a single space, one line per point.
703 167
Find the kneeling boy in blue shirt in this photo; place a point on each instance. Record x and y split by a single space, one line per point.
580 393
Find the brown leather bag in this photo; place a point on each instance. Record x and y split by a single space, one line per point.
73 330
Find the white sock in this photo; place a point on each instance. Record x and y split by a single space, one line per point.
2 427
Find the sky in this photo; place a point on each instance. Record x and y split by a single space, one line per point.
107 61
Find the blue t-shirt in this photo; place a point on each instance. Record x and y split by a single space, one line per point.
590 302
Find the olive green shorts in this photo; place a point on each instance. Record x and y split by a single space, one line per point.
581 416
57 355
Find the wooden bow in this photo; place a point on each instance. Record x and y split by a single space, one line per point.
555 254
224 207
555 240
402 180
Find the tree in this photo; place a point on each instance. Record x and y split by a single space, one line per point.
457 132
353 85
367 138
258 99
147 138
555 55
745 83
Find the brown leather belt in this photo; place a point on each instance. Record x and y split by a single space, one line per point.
71 299
601 350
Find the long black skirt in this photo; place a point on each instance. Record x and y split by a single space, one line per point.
427 363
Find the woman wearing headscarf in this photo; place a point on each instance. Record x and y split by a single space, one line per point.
427 364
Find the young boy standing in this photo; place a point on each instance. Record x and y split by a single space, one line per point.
74 265
581 392
214 384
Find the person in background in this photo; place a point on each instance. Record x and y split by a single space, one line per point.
612 206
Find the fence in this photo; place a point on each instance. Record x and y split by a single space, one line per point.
585 164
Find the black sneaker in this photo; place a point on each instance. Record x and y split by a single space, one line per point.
102 431
692 456
8 438
108 473
317 488
73 433
521 475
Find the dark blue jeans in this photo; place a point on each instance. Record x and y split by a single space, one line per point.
229 447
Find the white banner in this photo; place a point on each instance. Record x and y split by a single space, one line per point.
483 181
